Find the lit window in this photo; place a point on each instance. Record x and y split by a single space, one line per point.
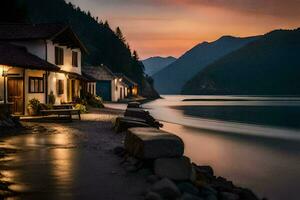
36 85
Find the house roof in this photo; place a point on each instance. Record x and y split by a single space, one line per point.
88 77
126 80
57 32
100 72
17 56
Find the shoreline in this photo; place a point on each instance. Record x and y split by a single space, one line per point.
103 116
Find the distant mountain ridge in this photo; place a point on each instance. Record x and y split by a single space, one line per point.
267 66
157 63
171 79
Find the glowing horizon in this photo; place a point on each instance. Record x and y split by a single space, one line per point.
171 27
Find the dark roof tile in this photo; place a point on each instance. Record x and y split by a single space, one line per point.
17 56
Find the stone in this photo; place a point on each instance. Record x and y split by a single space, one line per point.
123 124
208 170
134 104
142 114
208 191
179 169
222 185
153 196
166 189
152 178
229 196
187 196
188 187
151 143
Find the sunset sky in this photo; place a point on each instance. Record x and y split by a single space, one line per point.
171 27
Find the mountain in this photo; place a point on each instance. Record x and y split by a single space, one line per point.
267 66
155 64
171 79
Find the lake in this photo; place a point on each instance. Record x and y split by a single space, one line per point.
253 141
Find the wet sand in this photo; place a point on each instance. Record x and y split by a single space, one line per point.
70 161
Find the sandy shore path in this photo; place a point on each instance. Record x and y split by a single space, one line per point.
70 161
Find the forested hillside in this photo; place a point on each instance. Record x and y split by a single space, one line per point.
268 66
105 46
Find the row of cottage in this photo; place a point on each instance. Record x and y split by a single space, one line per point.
43 59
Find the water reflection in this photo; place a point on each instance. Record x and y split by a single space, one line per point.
253 141
255 163
48 159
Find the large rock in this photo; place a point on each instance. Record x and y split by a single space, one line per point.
166 188
142 114
179 169
151 143
134 104
188 187
124 123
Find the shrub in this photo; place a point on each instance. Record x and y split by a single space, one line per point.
95 101
34 106
81 107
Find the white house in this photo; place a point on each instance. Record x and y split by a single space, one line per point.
110 86
43 59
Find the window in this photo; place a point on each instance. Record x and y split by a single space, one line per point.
75 59
60 87
59 56
36 85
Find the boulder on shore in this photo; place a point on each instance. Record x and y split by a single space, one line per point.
178 169
151 143
142 114
134 104
166 188
124 123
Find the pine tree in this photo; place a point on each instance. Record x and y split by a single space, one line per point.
120 35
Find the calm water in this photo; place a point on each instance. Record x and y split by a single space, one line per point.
254 141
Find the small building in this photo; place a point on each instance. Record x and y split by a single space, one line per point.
108 85
38 60
132 87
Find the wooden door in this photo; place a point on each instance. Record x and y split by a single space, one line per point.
15 95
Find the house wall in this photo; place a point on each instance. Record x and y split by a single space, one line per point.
67 57
52 86
28 96
68 67
1 87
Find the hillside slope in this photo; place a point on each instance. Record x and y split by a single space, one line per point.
268 66
155 64
171 79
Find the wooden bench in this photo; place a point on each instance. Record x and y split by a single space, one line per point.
63 106
60 112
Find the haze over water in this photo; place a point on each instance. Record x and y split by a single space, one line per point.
253 141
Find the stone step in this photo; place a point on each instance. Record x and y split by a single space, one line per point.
152 143
134 104
124 123
142 114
